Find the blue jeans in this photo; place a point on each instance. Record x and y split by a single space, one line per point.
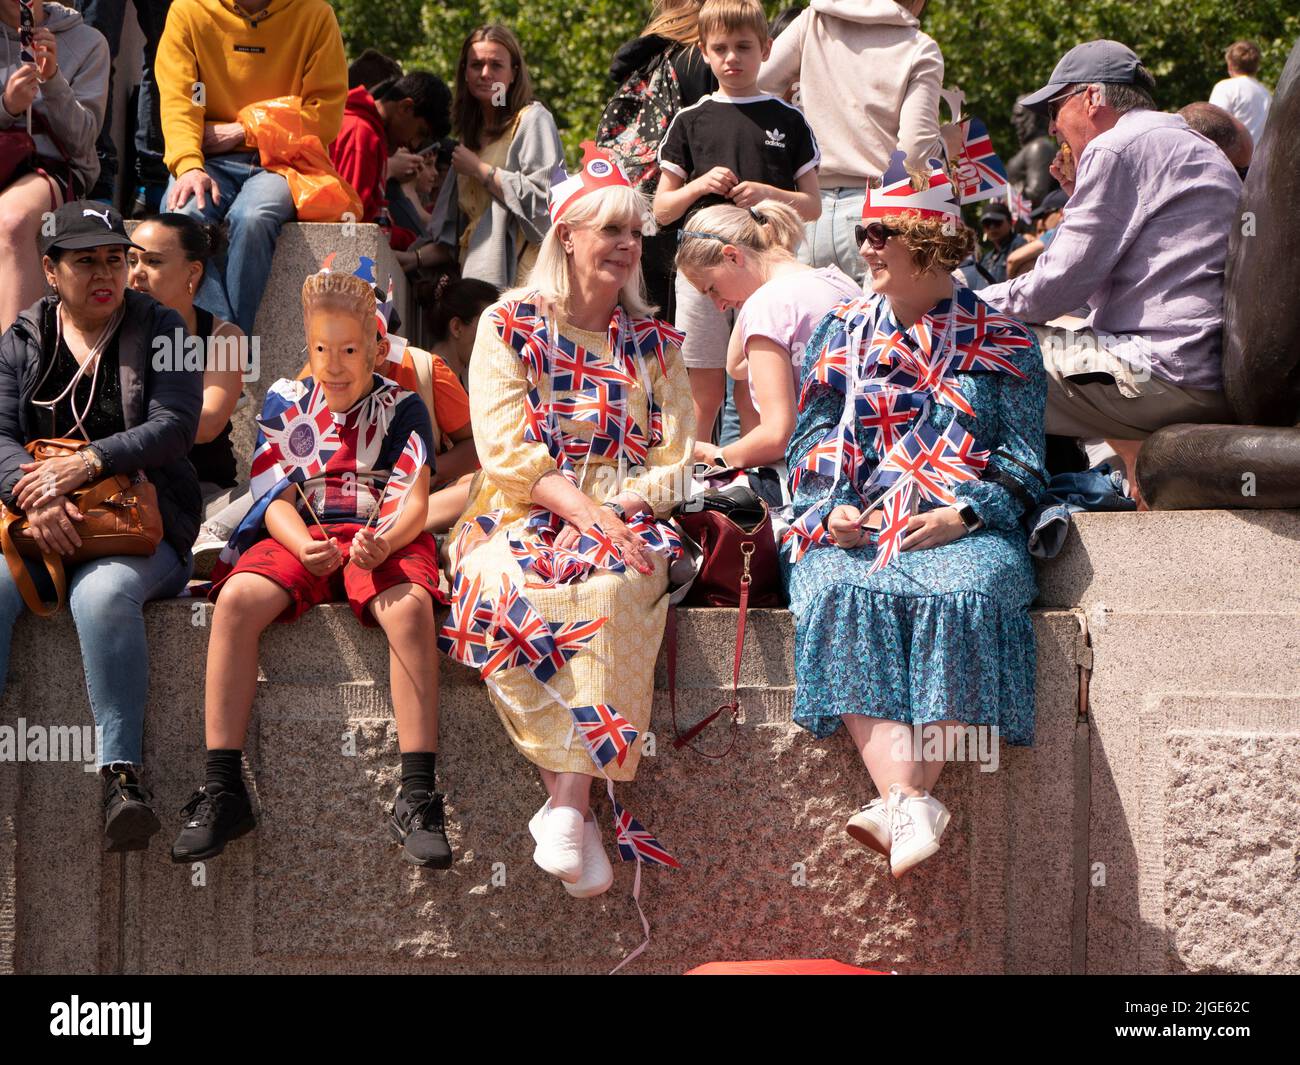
107 597
829 241
255 203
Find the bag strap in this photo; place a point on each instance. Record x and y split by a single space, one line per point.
682 739
23 579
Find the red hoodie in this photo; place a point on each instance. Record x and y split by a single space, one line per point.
360 153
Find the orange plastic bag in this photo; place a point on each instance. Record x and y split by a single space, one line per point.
286 147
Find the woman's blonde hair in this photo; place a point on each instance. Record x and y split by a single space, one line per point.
551 277
345 293
678 20
935 244
771 229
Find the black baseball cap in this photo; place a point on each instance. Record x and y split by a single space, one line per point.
85 224
996 209
1107 62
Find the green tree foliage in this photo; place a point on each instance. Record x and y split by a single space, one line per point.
994 50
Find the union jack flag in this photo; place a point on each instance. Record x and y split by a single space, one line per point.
983 333
832 365
890 346
477 529
980 173
464 635
520 636
937 376
911 459
804 534
568 638
602 405
550 565
885 411
635 844
596 546
406 470
837 452
607 734
576 368
658 535
897 512
1021 209
957 454
518 324
303 438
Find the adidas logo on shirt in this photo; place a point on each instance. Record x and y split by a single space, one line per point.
775 138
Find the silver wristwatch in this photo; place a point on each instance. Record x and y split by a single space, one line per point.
617 508
969 518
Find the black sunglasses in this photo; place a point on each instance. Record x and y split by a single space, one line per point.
875 234
1055 103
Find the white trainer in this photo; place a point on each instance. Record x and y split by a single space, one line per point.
535 822
915 824
597 873
870 826
559 843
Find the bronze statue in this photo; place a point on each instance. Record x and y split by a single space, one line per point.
1256 463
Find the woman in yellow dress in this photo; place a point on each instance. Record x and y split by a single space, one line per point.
583 414
491 213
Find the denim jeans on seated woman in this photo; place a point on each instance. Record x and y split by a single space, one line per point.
107 597
255 203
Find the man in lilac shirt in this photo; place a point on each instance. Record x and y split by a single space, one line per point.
1143 246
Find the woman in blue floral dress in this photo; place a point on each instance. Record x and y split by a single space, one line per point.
918 447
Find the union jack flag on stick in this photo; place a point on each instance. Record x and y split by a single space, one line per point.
406 471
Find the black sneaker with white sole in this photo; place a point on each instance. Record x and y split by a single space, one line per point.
213 819
417 824
129 820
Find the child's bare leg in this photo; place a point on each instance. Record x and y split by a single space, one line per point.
248 603
405 613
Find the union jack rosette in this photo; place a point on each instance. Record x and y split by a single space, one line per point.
304 437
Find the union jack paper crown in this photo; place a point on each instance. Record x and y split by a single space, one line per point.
599 171
896 195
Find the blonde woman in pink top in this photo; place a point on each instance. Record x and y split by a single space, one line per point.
745 259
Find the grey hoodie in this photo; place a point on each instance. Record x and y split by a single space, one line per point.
869 83
72 102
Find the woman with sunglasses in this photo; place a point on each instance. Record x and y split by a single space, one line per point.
918 446
745 259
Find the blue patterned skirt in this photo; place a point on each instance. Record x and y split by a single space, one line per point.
940 634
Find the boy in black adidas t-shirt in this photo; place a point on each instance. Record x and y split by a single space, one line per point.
740 146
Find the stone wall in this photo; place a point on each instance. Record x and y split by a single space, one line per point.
1150 833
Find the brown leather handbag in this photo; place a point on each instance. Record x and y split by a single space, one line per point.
122 517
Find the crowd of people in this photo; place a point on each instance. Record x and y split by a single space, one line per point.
760 264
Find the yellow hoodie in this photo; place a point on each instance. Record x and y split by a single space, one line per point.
214 52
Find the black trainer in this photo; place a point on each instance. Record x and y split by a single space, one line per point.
129 820
212 821
417 824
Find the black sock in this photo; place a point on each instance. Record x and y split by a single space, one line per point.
417 772
224 771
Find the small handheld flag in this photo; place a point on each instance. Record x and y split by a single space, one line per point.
406 471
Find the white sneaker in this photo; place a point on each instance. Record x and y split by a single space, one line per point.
597 873
535 822
915 824
559 843
870 826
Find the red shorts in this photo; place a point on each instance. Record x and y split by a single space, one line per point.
416 563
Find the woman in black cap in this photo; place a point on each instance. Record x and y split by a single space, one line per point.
98 362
